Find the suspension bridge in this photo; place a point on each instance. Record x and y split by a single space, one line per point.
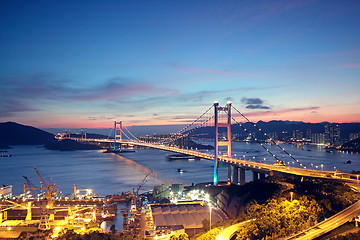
220 119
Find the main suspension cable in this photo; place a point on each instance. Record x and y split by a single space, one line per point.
270 139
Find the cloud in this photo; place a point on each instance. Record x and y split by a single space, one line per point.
206 70
256 106
29 93
349 65
252 100
278 112
254 103
120 88
10 107
262 11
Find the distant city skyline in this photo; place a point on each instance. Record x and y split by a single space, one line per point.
73 64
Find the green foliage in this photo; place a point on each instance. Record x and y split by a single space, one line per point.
279 218
349 236
275 216
260 190
113 229
210 235
183 236
71 235
331 196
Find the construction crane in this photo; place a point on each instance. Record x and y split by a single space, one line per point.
142 183
31 187
50 187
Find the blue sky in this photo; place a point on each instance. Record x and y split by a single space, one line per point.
84 64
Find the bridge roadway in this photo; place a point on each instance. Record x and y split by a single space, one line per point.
331 223
248 165
318 230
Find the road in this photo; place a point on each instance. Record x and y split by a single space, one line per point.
228 232
255 166
331 223
311 233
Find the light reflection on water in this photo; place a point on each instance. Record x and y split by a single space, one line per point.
109 173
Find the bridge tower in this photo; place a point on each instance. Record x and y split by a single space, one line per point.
83 135
117 134
224 141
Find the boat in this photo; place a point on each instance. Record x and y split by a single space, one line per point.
347 162
106 216
5 155
180 170
175 157
124 197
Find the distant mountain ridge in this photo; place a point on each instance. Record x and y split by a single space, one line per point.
282 128
353 145
12 133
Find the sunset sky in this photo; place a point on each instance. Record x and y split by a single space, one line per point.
84 64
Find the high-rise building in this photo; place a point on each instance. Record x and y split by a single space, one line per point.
353 136
318 138
297 135
308 135
273 135
332 134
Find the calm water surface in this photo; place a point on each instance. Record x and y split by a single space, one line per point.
109 173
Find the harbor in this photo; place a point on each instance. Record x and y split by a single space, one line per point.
102 192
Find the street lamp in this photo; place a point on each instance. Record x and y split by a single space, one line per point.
357 179
322 167
210 215
291 194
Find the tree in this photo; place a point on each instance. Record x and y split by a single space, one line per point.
183 236
113 229
205 224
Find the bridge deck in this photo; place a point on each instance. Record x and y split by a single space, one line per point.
255 166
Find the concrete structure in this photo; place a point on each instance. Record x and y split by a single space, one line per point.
117 134
189 216
222 142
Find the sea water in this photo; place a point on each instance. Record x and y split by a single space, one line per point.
108 173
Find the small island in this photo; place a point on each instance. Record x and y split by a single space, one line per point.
71 145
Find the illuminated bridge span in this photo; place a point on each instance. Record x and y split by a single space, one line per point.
220 120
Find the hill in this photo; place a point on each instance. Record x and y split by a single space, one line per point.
71 145
284 129
353 145
12 133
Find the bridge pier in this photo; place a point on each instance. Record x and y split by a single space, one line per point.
242 176
230 175
262 175
255 175
235 175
